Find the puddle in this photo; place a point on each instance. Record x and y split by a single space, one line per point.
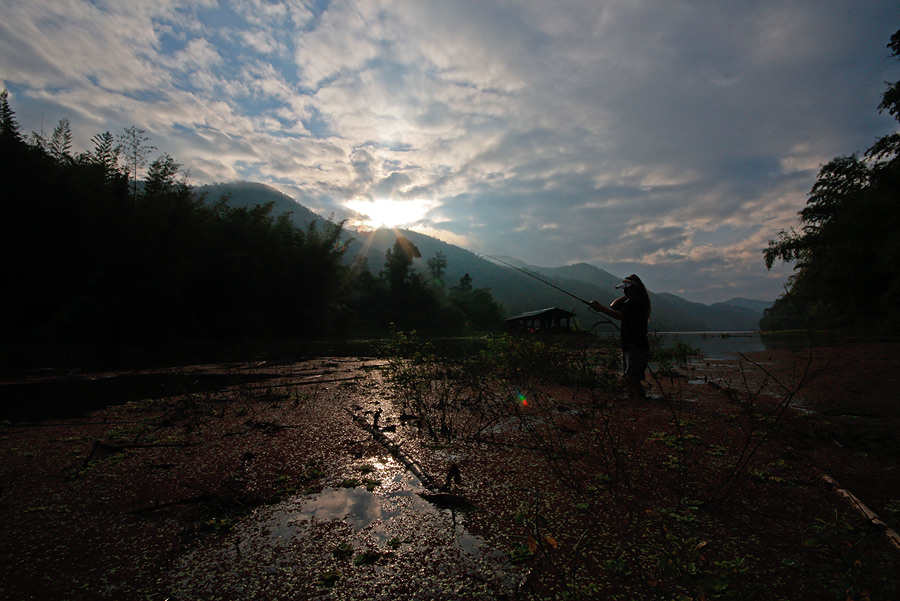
410 548
356 506
382 515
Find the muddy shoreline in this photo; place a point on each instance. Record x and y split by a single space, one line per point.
125 501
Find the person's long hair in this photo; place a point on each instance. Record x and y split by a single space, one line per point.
642 292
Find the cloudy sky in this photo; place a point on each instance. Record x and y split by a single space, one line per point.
668 138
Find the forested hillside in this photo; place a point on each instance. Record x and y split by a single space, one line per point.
97 262
515 291
249 194
518 292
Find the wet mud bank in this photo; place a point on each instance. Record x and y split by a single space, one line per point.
311 480
269 485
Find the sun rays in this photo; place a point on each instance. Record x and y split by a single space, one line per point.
387 212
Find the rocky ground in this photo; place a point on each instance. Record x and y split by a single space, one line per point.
268 481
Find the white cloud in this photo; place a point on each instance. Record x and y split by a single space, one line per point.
676 138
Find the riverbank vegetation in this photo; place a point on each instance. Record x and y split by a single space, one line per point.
716 496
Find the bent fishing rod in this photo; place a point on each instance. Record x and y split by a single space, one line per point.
543 281
529 274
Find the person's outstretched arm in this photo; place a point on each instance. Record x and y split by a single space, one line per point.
600 308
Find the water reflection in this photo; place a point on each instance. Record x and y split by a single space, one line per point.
418 550
383 514
356 506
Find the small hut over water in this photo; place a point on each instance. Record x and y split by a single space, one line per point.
544 320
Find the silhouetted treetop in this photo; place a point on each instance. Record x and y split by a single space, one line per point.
847 250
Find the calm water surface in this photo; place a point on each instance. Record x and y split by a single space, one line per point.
712 345
727 345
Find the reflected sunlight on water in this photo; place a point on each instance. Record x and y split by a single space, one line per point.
403 533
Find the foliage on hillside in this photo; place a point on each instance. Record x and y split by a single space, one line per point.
515 291
96 261
410 298
847 249
518 292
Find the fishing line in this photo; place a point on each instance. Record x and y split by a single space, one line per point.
543 281
529 274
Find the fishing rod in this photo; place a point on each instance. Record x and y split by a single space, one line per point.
529 274
554 286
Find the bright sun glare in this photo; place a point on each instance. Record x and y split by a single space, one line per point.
389 213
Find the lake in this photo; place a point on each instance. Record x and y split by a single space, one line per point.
716 345
712 345
726 345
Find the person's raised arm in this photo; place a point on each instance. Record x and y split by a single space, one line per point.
612 312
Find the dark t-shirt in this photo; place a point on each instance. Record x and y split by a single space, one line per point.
635 314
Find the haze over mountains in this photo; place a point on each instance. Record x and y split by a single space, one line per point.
516 291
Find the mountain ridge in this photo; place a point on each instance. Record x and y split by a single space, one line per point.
517 288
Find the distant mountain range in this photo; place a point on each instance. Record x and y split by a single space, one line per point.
515 290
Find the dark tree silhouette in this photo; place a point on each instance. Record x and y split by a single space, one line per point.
135 151
59 146
437 265
106 153
90 266
9 127
94 263
847 249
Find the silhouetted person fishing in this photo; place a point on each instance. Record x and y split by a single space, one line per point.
633 310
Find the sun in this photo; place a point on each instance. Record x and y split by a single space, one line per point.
388 212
